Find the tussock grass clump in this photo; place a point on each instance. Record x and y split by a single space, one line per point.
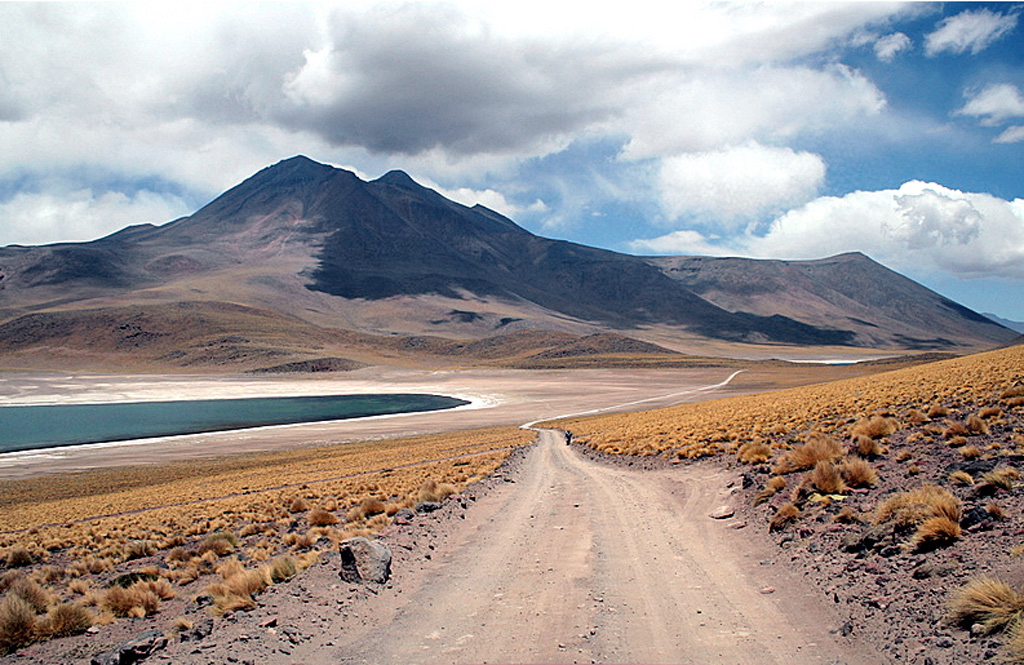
818 448
139 549
282 568
368 507
917 417
827 479
435 491
32 593
787 514
138 600
320 517
754 452
17 623
956 429
997 479
874 427
935 532
995 511
64 620
986 601
977 425
774 485
915 506
858 473
990 412
937 411
971 452
867 447
18 557
933 512
1013 391
961 478
298 505
848 516
220 543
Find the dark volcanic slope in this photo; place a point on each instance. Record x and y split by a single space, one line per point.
849 291
392 237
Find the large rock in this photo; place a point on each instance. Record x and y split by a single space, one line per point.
138 648
364 560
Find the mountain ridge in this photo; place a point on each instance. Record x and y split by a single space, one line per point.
389 256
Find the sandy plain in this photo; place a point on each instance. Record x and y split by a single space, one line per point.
498 397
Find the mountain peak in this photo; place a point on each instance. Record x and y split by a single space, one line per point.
398 178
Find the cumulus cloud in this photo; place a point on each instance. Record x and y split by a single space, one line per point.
972 31
891 45
736 185
918 226
713 109
995 104
31 218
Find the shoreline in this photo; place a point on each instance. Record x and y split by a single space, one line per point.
497 397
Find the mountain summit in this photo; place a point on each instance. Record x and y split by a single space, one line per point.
317 243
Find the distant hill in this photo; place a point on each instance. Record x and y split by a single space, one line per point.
1017 326
302 251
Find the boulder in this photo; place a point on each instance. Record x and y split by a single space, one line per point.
427 506
141 646
364 560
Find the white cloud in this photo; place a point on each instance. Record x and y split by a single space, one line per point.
688 242
889 46
80 215
995 104
1013 134
737 185
972 31
710 109
918 226
488 198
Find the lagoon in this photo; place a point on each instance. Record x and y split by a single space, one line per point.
32 427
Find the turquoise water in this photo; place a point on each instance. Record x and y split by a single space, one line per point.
28 427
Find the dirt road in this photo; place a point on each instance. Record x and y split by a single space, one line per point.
578 561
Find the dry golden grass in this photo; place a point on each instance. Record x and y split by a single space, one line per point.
961 478
320 517
913 507
858 472
281 569
774 485
867 447
191 514
784 516
986 601
827 479
874 427
817 448
693 430
932 511
64 620
754 452
17 623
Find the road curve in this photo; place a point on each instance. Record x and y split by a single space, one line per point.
579 561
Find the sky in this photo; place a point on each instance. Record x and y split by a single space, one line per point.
768 130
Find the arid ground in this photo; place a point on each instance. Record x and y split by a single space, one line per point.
538 553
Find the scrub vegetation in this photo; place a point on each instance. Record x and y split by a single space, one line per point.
909 479
88 549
